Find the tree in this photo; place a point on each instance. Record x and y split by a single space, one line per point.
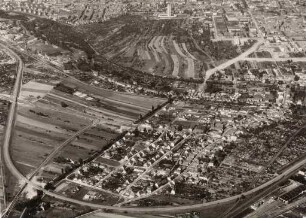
49 186
64 105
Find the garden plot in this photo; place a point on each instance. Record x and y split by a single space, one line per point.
35 90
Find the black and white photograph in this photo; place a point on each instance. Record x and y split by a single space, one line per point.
152 108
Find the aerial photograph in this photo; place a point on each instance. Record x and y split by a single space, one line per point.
152 108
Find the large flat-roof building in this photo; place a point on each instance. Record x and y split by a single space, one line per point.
168 15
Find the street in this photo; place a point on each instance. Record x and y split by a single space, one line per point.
242 56
10 122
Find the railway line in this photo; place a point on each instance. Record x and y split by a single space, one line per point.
251 195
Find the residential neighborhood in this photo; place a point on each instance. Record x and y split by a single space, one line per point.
175 108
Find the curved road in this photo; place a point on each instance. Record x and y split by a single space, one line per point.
163 210
12 110
246 203
180 209
228 63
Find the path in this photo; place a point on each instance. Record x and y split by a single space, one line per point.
241 57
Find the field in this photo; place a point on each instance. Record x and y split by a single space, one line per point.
160 47
35 90
51 114
73 190
50 50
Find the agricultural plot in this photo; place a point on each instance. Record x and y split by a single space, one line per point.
175 65
74 190
39 130
119 48
151 46
187 52
154 49
57 115
35 90
143 54
190 70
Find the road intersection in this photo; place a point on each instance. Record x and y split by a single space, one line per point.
228 63
181 209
